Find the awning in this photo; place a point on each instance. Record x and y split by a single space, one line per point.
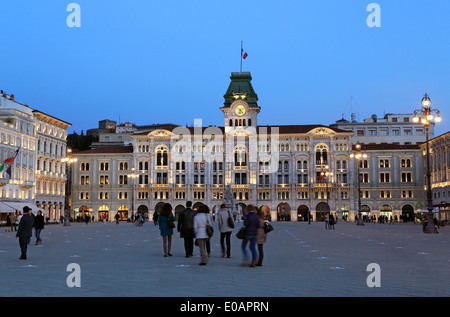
19 206
4 208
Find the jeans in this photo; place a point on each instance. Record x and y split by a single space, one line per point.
252 240
225 239
38 234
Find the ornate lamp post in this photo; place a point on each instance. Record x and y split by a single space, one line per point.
69 159
426 115
132 176
358 155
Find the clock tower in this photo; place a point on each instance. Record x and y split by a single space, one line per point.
240 107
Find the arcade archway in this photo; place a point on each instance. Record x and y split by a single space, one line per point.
284 212
408 213
322 211
302 213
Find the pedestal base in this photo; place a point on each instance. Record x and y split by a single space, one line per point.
430 228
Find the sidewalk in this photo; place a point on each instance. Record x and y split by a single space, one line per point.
301 260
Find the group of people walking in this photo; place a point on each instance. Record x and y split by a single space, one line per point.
192 226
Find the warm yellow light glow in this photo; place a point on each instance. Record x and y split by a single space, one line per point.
352 155
426 102
429 117
437 119
424 121
416 119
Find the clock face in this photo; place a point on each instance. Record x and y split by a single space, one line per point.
239 110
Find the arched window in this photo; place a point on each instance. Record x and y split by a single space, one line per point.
240 156
321 155
161 156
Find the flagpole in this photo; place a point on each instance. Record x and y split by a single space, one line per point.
241 56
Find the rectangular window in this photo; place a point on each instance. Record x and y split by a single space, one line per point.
385 178
364 177
406 177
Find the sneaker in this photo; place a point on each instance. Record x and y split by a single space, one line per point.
21 259
201 263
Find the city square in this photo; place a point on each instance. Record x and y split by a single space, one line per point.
301 260
303 112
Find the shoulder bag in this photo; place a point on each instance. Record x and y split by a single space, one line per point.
209 227
240 233
230 221
170 223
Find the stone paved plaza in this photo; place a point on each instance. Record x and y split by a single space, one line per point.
301 260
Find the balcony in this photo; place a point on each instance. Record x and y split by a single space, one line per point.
240 186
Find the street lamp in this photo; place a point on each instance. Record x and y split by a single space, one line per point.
426 115
358 155
132 176
69 159
326 173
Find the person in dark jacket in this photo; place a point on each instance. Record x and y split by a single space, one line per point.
38 226
186 228
25 232
165 231
251 224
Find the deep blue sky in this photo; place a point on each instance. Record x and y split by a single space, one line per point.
170 61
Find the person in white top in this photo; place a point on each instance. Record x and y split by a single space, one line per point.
201 219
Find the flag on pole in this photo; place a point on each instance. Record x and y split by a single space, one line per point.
11 159
244 56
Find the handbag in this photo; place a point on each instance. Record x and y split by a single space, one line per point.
230 221
170 223
209 228
240 233
267 227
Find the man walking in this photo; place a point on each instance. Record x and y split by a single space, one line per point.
186 228
25 232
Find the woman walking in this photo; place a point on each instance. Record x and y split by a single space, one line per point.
38 226
165 230
261 237
201 219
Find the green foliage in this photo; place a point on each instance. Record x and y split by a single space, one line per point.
80 142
